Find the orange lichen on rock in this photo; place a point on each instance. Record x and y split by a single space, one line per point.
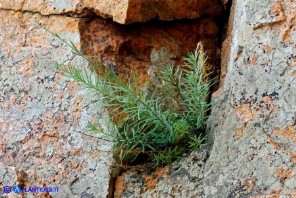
293 194
245 113
294 74
76 151
274 194
250 183
285 11
288 133
239 133
266 99
76 107
266 48
283 174
276 8
253 59
151 180
72 88
290 23
284 19
277 146
293 62
293 158
274 143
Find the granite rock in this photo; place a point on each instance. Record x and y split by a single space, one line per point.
183 178
43 115
253 119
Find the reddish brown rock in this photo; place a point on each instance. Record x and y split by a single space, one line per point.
142 46
122 11
171 9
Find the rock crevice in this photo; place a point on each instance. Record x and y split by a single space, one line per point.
44 115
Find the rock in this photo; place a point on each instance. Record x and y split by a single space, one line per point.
183 179
121 11
43 115
253 120
145 47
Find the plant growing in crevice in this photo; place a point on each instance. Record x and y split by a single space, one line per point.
163 124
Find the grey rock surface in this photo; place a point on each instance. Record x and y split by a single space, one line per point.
253 119
44 115
182 179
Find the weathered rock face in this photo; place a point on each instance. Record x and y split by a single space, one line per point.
121 11
252 124
183 179
42 113
43 116
253 120
144 47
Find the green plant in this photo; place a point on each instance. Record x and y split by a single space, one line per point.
196 142
168 156
163 124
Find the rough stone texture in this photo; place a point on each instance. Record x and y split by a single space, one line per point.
43 115
144 47
181 179
122 11
253 121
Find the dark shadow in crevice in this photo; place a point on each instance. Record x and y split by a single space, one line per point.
222 22
131 45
